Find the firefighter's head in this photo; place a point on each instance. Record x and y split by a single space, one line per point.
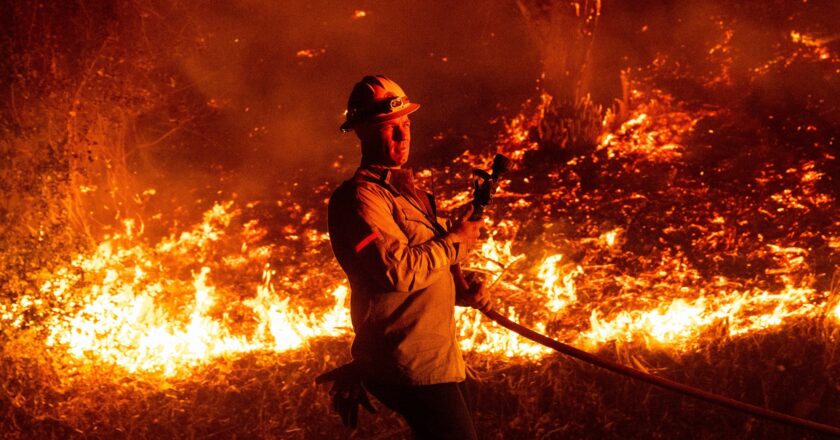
378 112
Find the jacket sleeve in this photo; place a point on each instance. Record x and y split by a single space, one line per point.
445 222
387 259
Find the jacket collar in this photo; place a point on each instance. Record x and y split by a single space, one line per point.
397 180
400 181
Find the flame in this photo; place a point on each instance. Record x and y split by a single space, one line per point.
817 44
130 319
807 47
310 53
214 289
559 287
483 336
681 322
655 130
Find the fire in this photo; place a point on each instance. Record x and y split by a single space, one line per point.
671 204
480 335
130 318
609 237
807 47
818 45
656 129
559 287
672 323
214 290
310 53
496 256
669 305
131 313
680 323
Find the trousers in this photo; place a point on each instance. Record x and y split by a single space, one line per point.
439 411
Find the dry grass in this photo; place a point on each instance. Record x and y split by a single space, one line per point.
74 131
264 395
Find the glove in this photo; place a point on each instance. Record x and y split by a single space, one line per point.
476 295
347 393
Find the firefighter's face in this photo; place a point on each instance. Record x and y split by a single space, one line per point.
386 143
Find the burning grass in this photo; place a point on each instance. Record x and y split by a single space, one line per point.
267 395
668 242
630 251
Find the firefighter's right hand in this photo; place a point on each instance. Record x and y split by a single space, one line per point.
464 231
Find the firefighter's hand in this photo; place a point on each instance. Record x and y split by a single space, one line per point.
464 231
477 295
347 393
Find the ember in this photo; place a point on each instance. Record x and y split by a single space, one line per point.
680 226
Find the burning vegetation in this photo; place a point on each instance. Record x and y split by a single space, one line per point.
689 228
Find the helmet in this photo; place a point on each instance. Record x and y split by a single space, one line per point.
376 99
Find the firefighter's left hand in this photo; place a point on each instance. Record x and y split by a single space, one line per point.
477 296
347 393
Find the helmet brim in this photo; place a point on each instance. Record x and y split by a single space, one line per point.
350 125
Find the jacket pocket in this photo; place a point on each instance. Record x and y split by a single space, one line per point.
417 228
423 358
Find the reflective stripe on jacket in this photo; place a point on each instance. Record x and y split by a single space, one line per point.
397 258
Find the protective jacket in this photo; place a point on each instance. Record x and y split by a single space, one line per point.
397 256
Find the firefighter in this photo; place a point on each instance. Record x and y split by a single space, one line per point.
399 258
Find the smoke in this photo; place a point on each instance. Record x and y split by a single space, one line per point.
278 75
252 91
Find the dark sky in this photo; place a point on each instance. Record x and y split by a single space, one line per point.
280 107
266 82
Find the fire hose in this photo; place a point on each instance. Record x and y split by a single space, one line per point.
484 187
716 399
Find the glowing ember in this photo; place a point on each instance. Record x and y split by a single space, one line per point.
570 272
653 130
310 53
817 44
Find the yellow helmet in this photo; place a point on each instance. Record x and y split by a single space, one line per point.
376 99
